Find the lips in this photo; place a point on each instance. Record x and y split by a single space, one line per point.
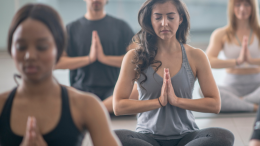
165 31
96 3
31 69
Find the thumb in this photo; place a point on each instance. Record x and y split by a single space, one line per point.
35 126
93 36
245 41
97 37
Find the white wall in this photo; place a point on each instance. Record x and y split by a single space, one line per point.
7 11
206 15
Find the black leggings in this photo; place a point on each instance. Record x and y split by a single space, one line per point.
203 137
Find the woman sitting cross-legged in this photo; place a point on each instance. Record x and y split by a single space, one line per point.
165 69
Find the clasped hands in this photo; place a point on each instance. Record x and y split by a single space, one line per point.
167 91
32 135
244 55
96 49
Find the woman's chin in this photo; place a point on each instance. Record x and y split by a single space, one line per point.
166 38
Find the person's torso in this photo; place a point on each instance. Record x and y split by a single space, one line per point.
64 133
167 122
113 42
232 51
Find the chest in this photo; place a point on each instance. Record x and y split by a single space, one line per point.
232 50
47 114
110 39
151 88
173 62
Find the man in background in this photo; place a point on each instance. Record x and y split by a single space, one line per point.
97 44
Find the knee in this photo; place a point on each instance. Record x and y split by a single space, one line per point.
222 136
124 135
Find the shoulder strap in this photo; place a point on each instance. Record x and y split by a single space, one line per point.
187 67
6 112
238 40
250 36
184 55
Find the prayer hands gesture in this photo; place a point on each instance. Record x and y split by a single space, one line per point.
32 135
96 49
167 91
244 55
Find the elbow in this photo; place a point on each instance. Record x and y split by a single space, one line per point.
116 109
117 112
217 107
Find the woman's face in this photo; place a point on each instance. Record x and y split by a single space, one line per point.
34 50
242 9
165 20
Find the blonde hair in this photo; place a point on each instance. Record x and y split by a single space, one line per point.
253 20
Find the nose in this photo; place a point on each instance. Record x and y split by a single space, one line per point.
164 21
30 54
242 7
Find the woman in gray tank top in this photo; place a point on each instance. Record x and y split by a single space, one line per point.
165 69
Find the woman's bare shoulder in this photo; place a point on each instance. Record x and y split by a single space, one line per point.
194 52
219 33
84 102
80 97
130 54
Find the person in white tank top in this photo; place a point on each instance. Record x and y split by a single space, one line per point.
239 41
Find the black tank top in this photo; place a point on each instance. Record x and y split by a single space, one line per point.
65 134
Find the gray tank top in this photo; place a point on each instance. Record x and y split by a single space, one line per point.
167 122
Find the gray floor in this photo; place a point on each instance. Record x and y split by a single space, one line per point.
240 124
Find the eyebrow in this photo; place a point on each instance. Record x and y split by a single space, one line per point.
166 14
20 40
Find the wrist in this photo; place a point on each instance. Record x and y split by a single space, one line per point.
178 102
250 61
237 62
157 103
160 103
102 59
89 60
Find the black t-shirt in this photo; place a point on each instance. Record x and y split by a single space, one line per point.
115 35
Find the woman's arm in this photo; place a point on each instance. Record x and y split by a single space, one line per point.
122 105
215 46
255 61
211 102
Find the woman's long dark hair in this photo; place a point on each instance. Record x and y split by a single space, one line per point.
146 38
47 16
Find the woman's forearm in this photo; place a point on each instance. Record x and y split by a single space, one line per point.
207 104
129 107
255 61
218 63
